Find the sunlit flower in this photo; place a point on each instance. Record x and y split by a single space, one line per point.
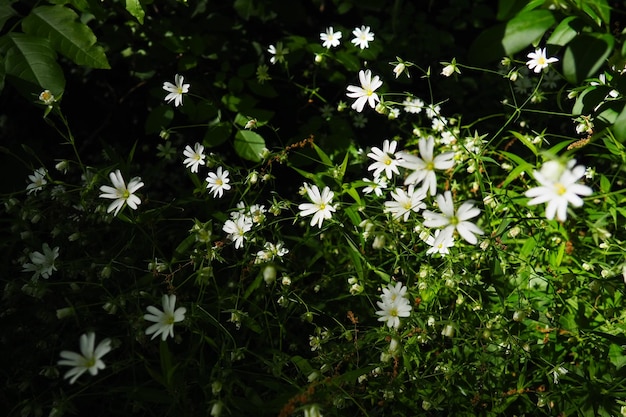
558 187
237 229
440 242
164 320
413 105
47 97
42 264
393 305
89 359
424 165
278 52
176 91
195 156
538 60
362 37
450 68
451 220
321 204
385 160
120 193
271 251
377 186
365 93
330 38
405 202
217 182
37 181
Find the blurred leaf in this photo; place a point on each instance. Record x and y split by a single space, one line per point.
565 31
6 12
511 37
619 125
598 10
351 62
585 55
32 63
136 10
249 145
217 134
159 118
66 34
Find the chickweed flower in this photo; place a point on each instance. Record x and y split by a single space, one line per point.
218 182
385 160
321 204
89 359
424 166
37 181
393 305
237 229
365 93
558 187
176 90
400 68
195 156
164 320
451 220
439 243
450 68
120 193
362 37
46 97
42 264
278 52
377 186
330 38
405 202
538 60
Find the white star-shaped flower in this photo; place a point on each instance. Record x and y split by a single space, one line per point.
365 93
164 320
176 90
321 204
89 358
538 60
195 157
330 38
362 37
121 193
385 160
451 220
424 165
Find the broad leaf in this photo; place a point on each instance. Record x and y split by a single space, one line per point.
134 8
66 34
585 55
565 31
31 64
249 145
6 12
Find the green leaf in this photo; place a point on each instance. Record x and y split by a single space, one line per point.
598 10
511 37
616 355
585 55
136 10
217 134
31 64
565 31
619 125
249 145
6 12
349 61
524 139
66 34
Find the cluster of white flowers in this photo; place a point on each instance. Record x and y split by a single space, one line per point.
362 37
393 305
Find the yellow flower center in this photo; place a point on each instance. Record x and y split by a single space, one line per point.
430 166
322 206
559 188
219 181
541 61
126 194
369 92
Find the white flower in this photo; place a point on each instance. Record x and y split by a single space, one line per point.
424 168
377 186
37 181
278 52
399 69
440 242
413 105
362 37
271 252
558 187
89 359
164 320
405 202
218 182
330 38
365 93
321 207
393 305
42 263
450 68
450 220
385 160
176 91
195 156
538 60
47 97
237 229
121 193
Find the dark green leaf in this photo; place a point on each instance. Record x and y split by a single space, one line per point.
565 31
217 134
249 145
585 55
6 12
66 34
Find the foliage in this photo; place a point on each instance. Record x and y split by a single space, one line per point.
254 202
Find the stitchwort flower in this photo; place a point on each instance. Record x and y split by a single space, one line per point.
176 90
37 181
278 52
405 202
385 159
558 187
393 305
89 359
42 264
424 166
195 157
365 93
362 37
330 38
120 193
164 320
538 60
218 182
451 220
321 204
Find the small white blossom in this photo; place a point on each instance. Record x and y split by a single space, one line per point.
376 186
385 160
120 193
164 320
176 90
237 229
451 220
89 358
362 37
218 181
330 38
195 157
278 52
405 202
321 204
365 93
37 181
42 264
424 166
538 60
